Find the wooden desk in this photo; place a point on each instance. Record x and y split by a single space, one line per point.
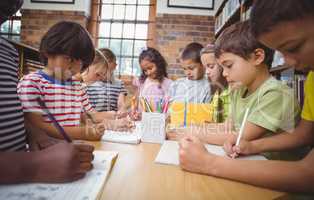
136 176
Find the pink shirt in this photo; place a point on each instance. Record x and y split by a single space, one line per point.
152 89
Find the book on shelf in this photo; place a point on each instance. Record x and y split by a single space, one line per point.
278 60
246 13
33 65
296 82
230 7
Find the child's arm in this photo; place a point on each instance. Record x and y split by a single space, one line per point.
77 132
38 139
295 176
100 117
62 162
121 103
301 136
218 133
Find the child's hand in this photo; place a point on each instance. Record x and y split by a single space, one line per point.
244 148
64 162
173 135
135 115
119 125
121 114
94 132
176 134
192 154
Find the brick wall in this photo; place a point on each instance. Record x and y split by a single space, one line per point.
35 23
174 32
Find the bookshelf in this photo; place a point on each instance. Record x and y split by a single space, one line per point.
229 12
232 11
29 59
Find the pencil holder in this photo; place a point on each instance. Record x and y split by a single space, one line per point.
153 127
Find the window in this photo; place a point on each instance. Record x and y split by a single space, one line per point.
11 29
123 28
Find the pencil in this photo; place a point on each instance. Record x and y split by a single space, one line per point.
54 121
185 113
143 104
241 129
147 105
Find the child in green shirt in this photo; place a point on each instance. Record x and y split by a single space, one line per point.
287 26
272 105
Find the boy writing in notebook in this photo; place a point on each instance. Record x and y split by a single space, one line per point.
61 162
66 49
272 105
194 88
289 29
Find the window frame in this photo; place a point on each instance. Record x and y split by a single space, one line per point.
9 35
151 27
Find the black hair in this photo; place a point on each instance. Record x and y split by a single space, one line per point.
192 52
266 14
155 57
68 38
239 40
9 8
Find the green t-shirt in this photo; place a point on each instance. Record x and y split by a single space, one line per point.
221 103
272 106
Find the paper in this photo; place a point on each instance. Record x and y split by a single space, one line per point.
169 153
121 137
88 188
197 113
133 137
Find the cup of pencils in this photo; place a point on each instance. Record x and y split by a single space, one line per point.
153 119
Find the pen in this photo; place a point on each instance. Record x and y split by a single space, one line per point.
54 121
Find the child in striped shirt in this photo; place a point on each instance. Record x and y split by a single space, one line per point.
66 49
105 93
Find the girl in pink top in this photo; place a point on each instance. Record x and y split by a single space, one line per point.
153 82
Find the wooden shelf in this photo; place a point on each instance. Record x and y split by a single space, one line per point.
29 52
222 5
279 69
234 17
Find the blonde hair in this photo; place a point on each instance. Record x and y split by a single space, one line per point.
100 59
108 54
210 48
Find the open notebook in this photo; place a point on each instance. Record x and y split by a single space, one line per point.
88 188
169 153
132 137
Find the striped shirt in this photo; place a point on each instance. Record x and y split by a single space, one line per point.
12 130
65 100
104 95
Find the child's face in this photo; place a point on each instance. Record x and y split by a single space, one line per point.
193 70
237 70
149 68
213 71
295 40
112 65
96 73
69 67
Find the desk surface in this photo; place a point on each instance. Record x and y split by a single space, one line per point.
136 176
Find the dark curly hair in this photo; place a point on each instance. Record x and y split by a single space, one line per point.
155 57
